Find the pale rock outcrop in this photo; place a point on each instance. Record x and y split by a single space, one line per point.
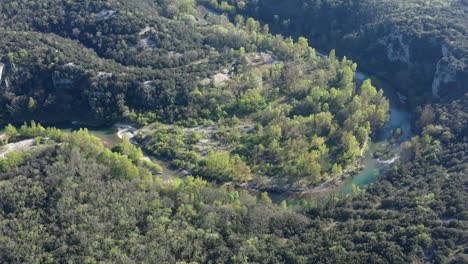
106 14
446 52
172 54
1 72
104 75
445 73
148 84
145 30
397 49
125 130
24 145
147 43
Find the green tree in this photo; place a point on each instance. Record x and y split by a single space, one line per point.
32 104
252 25
217 165
266 198
350 147
10 131
127 148
240 171
251 101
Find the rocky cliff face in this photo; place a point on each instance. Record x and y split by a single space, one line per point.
421 62
52 92
396 49
1 72
444 76
419 48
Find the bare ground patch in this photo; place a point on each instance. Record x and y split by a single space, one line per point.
23 145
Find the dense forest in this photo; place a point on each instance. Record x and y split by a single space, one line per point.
232 95
82 203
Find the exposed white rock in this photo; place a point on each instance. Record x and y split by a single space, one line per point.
106 14
444 74
220 78
364 148
389 161
256 59
146 158
445 51
205 81
104 74
397 50
18 146
148 83
145 30
206 10
172 54
187 172
247 129
147 43
126 130
1 72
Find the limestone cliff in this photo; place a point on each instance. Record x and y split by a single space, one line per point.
396 49
423 66
1 72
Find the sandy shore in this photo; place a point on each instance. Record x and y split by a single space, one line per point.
126 130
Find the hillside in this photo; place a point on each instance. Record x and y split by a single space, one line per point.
72 200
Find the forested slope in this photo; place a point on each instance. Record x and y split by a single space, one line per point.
111 79
68 203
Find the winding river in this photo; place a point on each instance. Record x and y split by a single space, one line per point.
400 117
